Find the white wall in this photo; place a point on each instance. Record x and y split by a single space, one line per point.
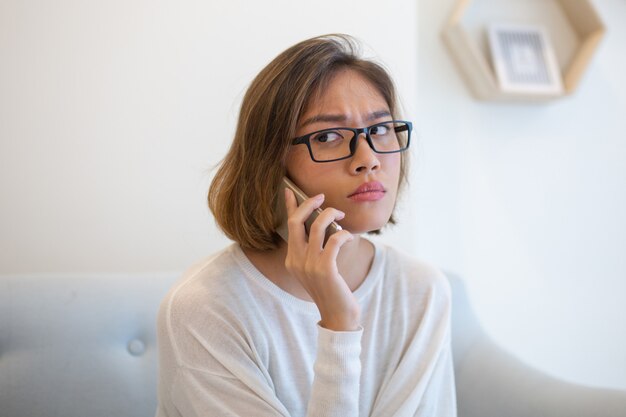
528 202
112 114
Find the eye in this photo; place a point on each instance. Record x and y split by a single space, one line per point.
379 130
327 137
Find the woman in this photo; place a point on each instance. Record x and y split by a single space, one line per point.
306 327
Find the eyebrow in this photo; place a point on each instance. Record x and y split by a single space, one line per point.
342 117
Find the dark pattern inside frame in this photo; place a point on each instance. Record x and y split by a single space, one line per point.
523 54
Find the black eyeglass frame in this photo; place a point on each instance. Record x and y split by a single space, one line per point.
357 132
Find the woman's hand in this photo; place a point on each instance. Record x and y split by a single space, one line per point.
315 264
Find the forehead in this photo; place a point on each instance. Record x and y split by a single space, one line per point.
347 93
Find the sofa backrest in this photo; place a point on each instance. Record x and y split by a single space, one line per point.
79 346
85 345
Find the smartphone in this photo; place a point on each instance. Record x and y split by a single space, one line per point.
282 229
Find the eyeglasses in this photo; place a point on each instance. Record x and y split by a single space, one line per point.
339 143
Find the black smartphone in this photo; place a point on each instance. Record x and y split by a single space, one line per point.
282 229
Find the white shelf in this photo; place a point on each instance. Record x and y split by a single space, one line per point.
478 71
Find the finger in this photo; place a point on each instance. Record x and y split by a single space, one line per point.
317 232
334 244
290 201
297 215
310 204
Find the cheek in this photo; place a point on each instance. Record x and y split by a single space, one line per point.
300 169
295 160
393 169
393 164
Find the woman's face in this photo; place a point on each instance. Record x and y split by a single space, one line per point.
349 100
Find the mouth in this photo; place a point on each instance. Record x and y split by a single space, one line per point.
369 191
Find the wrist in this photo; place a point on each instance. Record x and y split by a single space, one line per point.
346 322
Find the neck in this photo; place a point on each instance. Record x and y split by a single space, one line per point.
354 261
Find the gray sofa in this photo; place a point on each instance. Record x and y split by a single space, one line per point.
85 346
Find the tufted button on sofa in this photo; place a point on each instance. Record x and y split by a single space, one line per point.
85 346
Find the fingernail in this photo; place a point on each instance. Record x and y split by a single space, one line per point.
319 197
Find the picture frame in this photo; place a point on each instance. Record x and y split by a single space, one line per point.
524 59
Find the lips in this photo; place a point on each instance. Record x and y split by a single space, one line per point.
369 191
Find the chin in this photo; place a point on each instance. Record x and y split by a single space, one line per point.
365 226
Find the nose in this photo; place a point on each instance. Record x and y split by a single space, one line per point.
364 158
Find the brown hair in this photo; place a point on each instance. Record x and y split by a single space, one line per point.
243 193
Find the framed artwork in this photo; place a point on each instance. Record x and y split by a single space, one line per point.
524 60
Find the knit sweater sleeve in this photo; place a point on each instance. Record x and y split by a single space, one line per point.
335 390
209 368
237 387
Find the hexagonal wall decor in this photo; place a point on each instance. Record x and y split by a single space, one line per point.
478 71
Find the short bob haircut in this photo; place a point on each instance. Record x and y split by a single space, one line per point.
243 193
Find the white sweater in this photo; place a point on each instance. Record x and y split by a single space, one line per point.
232 343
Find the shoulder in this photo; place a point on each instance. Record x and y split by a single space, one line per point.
414 276
204 319
411 299
208 287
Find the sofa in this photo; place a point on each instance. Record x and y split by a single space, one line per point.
85 346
